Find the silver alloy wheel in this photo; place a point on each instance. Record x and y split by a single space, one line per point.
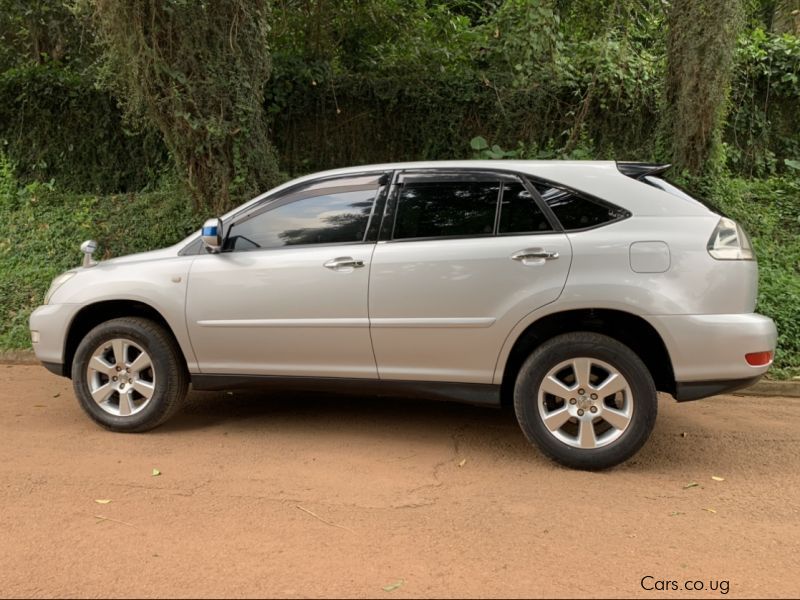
121 377
585 403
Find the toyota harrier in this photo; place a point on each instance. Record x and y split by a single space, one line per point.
574 291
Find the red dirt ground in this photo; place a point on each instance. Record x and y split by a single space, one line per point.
298 495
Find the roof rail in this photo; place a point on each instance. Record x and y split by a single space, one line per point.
638 170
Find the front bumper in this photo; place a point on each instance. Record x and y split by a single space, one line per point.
51 322
708 351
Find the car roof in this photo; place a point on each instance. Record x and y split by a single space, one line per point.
599 178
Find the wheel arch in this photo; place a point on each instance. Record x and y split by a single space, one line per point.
627 328
92 315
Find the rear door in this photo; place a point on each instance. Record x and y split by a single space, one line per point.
462 257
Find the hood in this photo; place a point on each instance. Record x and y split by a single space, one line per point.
152 255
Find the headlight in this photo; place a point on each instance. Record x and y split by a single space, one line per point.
57 283
729 242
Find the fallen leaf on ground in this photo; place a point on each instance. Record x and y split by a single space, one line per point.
103 501
56 395
156 473
393 586
463 462
691 485
711 510
716 478
675 513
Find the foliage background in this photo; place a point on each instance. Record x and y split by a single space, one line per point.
86 151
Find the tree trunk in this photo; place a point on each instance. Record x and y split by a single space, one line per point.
196 71
700 45
786 18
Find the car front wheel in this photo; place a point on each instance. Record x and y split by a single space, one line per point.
128 375
586 400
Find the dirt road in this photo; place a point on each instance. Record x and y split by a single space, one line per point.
297 495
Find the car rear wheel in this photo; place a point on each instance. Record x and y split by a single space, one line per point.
128 375
586 400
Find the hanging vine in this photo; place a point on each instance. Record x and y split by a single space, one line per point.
196 71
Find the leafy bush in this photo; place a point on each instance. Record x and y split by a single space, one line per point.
57 126
41 230
764 124
769 211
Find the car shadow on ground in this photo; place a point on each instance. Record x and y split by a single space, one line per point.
677 438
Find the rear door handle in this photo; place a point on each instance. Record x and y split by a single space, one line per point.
534 256
343 263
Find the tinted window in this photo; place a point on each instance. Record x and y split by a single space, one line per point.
443 209
519 212
577 212
329 218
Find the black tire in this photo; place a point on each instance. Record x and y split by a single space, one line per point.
170 375
593 346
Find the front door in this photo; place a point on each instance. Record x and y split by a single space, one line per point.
288 295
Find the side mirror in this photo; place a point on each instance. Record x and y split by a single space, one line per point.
88 248
212 235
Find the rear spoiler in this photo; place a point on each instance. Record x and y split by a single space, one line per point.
639 170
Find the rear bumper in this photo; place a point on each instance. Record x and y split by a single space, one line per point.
708 351
695 390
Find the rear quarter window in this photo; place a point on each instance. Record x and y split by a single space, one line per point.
576 212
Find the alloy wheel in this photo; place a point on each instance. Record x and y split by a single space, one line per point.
121 377
585 403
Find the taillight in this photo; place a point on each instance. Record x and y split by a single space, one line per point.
758 359
729 242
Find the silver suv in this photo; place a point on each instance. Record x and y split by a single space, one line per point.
572 290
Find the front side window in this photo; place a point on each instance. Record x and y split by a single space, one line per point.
575 211
330 216
436 209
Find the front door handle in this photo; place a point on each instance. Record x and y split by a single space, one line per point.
343 263
534 256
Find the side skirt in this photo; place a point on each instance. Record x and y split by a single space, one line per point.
470 393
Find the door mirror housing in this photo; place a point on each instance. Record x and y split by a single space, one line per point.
212 235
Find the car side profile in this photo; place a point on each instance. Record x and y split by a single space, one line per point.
573 291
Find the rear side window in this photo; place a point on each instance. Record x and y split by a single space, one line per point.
575 211
519 212
446 209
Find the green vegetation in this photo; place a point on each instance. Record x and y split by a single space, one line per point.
196 72
769 211
60 128
113 110
700 43
41 230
